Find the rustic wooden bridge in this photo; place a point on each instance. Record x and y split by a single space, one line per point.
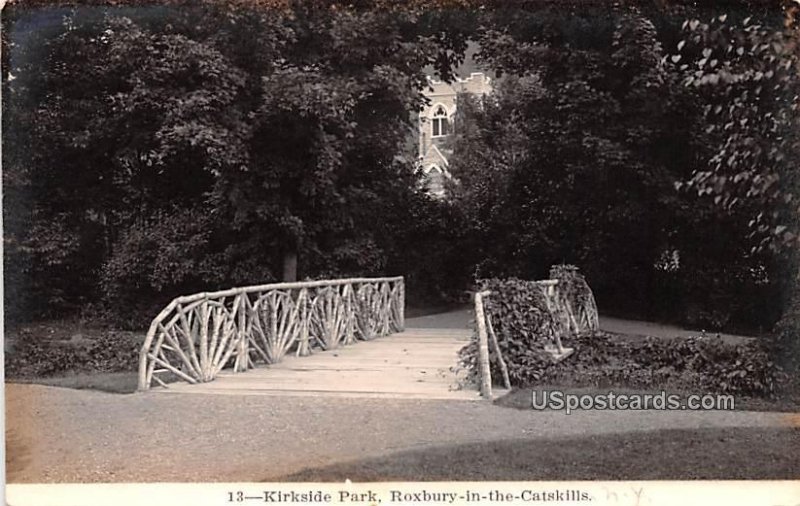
294 339
414 364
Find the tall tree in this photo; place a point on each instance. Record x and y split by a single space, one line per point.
748 73
574 159
220 143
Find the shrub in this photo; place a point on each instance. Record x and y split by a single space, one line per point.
607 360
519 312
525 321
155 260
43 358
114 352
523 325
111 352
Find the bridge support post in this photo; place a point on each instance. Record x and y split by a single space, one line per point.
243 351
303 347
350 315
483 347
402 302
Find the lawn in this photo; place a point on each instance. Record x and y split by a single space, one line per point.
74 354
112 382
702 454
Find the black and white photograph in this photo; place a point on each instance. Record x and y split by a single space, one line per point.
370 241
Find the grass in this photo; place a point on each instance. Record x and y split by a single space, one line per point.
707 454
788 402
112 382
60 341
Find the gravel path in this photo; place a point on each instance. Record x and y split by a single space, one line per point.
461 319
63 435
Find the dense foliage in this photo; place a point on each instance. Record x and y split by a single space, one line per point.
607 360
113 351
519 312
155 151
576 157
208 146
525 321
524 324
747 71
693 364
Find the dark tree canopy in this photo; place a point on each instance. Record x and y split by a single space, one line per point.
158 150
575 159
162 149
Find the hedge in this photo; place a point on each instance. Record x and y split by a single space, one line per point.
113 351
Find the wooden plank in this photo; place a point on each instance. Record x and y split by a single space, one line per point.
462 395
404 366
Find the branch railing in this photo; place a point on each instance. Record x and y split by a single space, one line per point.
572 319
196 336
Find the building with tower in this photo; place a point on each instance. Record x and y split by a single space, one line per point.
436 126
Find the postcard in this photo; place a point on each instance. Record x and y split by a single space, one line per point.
394 252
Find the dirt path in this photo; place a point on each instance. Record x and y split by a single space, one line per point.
61 435
461 319
662 330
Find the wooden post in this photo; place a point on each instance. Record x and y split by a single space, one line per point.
500 359
483 347
562 310
203 317
143 359
350 314
402 303
241 362
302 298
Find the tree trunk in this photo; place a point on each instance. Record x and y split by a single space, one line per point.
290 265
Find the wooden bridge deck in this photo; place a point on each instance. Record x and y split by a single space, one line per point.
415 364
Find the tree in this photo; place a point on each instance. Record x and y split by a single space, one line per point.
748 74
269 137
558 141
328 135
747 71
139 130
574 160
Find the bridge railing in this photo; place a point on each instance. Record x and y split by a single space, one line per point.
573 317
196 336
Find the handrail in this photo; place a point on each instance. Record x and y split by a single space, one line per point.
561 309
279 286
485 329
195 336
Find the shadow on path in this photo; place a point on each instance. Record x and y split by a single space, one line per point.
707 454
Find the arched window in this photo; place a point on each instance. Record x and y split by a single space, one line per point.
440 123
